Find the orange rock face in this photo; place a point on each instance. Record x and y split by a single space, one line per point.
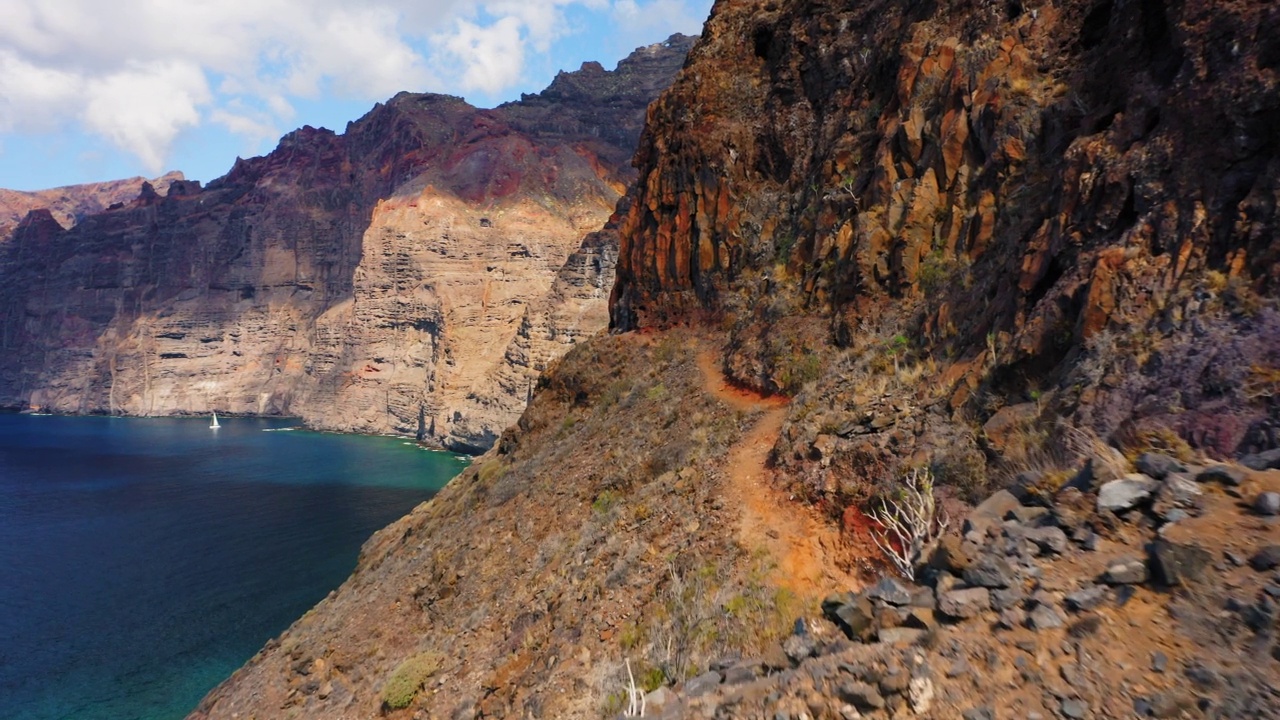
1071 164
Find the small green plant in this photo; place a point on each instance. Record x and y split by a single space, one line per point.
933 274
652 679
897 348
606 501
784 243
407 679
657 392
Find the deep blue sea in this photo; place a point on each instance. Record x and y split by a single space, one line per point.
144 560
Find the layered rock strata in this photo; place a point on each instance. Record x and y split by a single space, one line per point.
70 203
370 281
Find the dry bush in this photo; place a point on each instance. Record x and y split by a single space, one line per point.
909 523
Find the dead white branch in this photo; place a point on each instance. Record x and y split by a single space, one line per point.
635 698
910 523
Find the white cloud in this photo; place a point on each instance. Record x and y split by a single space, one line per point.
144 107
139 72
657 19
488 58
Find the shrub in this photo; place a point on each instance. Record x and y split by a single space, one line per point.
405 681
909 523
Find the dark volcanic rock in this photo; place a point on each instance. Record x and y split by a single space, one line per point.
1157 465
1178 564
1268 558
1224 474
990 571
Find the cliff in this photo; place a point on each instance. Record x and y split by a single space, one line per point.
1026 244
71 203
369 281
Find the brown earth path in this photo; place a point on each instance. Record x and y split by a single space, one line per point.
802 546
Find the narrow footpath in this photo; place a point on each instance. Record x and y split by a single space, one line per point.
801 546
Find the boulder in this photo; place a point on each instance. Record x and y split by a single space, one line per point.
949 555
1029 516
966 603
798 647
1222 474
1269 460
855 616
1049 539
1267 503
1178 492
1158 465
1178 564
703 684
990 512
1126 493
1044 617
1126 571
890 591
1086 598
1268 558
860 695
990 571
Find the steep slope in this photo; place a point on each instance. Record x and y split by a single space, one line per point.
981 241
368 281
70 203
1065 209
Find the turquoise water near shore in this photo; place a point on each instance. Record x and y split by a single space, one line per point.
144 560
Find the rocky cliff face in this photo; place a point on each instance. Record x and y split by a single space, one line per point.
370 281
71 203
1014 243
1067 204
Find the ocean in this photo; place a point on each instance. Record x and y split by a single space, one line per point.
144 560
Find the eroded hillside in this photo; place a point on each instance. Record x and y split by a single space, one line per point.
1027 244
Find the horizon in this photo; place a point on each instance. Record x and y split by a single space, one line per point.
76 110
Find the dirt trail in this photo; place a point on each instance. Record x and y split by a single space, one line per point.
801 544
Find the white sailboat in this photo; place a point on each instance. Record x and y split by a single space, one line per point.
214 425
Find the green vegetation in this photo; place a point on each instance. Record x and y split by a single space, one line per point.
407 679
606 501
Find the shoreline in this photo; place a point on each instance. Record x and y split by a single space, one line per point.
303 425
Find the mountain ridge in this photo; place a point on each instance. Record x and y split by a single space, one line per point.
995 253
280 287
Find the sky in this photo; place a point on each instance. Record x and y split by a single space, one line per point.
93 90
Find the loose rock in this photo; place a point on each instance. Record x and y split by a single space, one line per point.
861 695
1049 539
1268 558
966 603
890 591
1086 598
1126 571
1125 493
1267 503
1269 460
703 684
920 695
1223 474
1044 617
1158 465
990 571
1074 708
1178 564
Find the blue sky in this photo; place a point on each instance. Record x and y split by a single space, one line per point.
95 91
